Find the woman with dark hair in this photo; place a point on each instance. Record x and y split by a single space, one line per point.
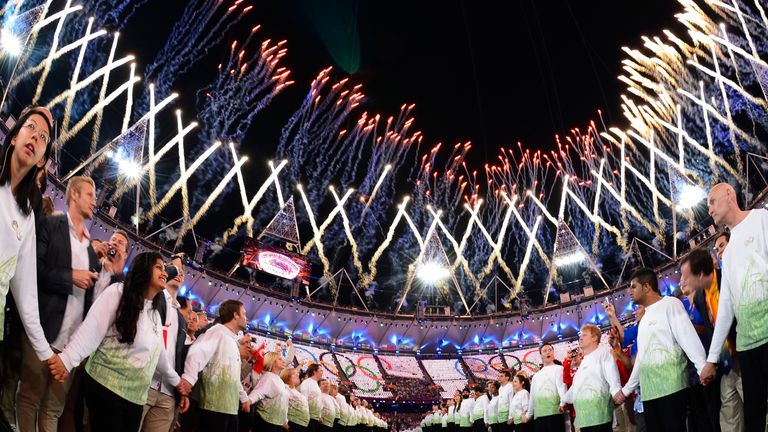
122 334
519 403
25 151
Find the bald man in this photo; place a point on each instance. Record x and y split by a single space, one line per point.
744 296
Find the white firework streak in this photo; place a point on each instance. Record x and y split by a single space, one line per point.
328 220
345 221
247 216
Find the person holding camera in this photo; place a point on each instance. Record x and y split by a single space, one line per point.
112 255
67 269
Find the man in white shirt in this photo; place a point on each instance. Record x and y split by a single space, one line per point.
666 340
160 410
112 255
547 389
311 390
67 268
216 354
743 296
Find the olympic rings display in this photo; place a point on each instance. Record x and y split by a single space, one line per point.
365 369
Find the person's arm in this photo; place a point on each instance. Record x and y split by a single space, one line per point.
290 354
94 327
200 353
610 310
685 335
634 378
529 410
611 372
167 372
526 401
724 321
265 388
24 290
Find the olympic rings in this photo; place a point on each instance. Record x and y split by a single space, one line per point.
363 368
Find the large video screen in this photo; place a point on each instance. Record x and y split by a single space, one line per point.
276 261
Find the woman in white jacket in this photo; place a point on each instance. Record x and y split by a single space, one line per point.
122 334
298 405
270 396
518 405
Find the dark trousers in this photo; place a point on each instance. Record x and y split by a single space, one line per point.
259 425
324 428
667 413
523 427
244 421
313 426
550 423
478 426
602 428
640 423
214 421
754 379
704 408
293 427
108 411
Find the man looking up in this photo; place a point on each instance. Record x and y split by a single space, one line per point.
744 296
217 354
547 389
665 337
67 268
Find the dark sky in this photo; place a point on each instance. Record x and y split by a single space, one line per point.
490 72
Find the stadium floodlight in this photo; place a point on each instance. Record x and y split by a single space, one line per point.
10 43
690 196
431 273
572 258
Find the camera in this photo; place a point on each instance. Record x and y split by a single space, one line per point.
172 271
111 251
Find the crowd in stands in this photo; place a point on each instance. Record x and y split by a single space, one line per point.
85 344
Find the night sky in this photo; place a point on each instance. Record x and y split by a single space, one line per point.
493 73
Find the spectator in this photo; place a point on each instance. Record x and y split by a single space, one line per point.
217 355
721 242
547 390
743 297
160 412
67 270
31 136
298 406
665 337
595 380
492 411
311 390
478 409
270 396
505 395
518 406
122 336
112 256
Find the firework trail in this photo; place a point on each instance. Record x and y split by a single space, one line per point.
243 86
202 26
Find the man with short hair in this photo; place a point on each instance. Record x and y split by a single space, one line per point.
701 277
721 242
160 410
216 354
67 268
665 338
310 388
596 379
547 389
112 255
329 406
743 296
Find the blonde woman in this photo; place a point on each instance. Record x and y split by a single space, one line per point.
298 405
270 397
